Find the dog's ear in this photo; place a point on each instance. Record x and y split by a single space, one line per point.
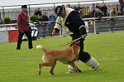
75 43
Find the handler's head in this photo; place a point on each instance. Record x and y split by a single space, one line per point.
60 11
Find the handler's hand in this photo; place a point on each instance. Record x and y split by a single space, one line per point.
84 36
54 32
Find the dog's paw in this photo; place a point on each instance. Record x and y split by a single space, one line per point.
52 73
39 72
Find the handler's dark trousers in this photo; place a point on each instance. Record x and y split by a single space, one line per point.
28 34
83 56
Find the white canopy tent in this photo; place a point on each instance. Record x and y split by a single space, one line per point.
21 2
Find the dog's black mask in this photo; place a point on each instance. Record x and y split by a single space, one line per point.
75 43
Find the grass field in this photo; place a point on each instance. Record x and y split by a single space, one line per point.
22 66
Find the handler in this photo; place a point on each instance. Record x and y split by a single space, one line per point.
73 24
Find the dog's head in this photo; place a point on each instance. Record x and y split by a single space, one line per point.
76 47
75 44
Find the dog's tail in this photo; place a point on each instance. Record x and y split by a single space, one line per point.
41 48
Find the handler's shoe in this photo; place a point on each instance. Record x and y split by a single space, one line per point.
95 67
70 71
17 49
93 63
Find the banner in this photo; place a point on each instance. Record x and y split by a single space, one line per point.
8 36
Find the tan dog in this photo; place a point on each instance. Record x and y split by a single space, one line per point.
67 56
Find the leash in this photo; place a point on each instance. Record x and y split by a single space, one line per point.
69 42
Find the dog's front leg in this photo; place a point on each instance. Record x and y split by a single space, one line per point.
39 68
43 64
52 67
74 66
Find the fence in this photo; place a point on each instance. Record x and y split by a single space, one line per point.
105 24
12 11
45 28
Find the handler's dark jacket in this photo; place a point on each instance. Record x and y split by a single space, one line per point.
72 23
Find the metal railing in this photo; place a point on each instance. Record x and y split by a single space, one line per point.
105 26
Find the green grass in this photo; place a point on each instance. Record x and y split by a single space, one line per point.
22 66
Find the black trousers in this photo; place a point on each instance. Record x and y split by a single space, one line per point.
28 34
83 56
44 31
112 24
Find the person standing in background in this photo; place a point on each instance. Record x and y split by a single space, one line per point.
97 6
98 16
113 14
39 18
117 7
92 10
51 24
44 23
52 17
38 12
121 5
104 10
45 17
23 27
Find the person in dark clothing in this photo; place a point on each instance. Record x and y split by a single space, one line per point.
113 15
44 25
73 24
92 10
97 6
51 24
104 10
121 5
45 17
98 16
38 12
23 27
39 18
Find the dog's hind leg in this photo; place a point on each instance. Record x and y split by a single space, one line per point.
78 69
43 64
74 66
52 68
